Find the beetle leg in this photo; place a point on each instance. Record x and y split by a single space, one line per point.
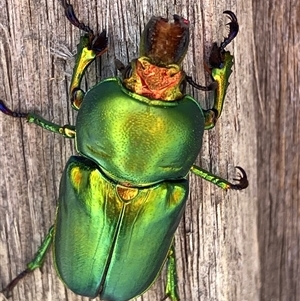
71 16
67 131
224 184
90 46
217 55
171 287
221 76
37 262
221 62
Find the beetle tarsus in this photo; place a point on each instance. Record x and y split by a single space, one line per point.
5 110
8 289
98 42
242 180
217 55
71 16
233 29
217 58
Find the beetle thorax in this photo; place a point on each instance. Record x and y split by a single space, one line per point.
155 82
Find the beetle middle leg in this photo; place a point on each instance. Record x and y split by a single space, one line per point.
35 263
90 46
220 182
67 131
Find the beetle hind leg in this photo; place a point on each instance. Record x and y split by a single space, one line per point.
37 262
171 286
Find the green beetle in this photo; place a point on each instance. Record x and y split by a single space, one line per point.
121 201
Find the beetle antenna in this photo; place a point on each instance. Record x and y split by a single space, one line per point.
210 87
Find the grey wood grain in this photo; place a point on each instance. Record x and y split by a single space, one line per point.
230 245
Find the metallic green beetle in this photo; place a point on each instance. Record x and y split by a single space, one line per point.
120 202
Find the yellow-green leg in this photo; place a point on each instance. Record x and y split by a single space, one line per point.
221 62
90 46
67 131
35 263
171 286
220 182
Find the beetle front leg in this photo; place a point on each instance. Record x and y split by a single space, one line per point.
90 46
35 263
221 62
67 131
220 182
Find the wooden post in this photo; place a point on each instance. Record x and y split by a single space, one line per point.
230 245
277 102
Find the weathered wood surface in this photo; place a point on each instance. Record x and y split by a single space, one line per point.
230 245
277 99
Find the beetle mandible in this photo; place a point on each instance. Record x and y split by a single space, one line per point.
138 136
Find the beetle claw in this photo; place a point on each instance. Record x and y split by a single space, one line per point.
98 42
242 180
216 58
71 16
233 29
5 110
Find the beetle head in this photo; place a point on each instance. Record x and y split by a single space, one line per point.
157 73
165 43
